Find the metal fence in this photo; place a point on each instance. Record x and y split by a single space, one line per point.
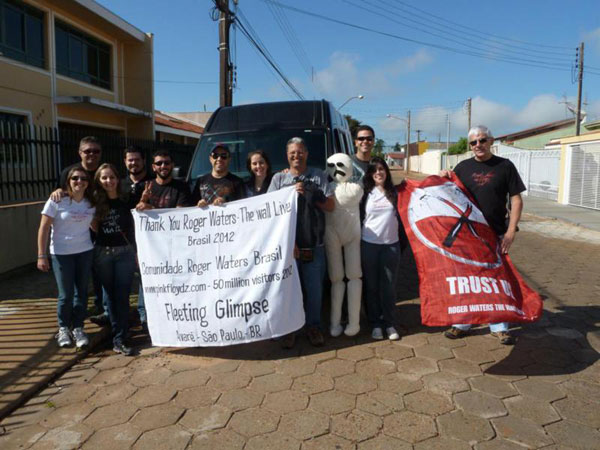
539 169
32 157
584 184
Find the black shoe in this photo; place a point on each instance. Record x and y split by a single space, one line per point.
101 320
288 341
123 349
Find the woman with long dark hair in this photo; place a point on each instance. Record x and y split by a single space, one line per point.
66 223
380 247
259 168
115 251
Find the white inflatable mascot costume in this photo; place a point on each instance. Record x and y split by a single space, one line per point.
342 231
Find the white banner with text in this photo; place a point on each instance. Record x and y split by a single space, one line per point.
220 275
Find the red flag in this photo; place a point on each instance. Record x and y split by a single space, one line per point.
463 275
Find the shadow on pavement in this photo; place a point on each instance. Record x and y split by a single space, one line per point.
555 345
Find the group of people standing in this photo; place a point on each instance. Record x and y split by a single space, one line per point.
88 229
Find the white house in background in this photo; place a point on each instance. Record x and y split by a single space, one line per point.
395 159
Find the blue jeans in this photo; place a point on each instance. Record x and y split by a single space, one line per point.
494 327
312 275
379 265
142 304
100 296
115 267
72 273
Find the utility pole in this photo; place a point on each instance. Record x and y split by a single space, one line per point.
448 132
579 91
469 113
407 166
225 72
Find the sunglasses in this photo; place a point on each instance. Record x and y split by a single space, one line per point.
77 178
162 163
365 138
481 141
219 155
91 152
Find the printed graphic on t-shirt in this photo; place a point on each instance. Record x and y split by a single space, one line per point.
481 178
160 201
210 192
110 224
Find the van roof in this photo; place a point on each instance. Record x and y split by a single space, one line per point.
269 115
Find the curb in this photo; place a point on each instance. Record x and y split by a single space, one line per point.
96 339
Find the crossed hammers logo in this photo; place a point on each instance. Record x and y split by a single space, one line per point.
463 220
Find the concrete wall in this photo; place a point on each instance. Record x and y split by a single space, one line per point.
18 235
431 162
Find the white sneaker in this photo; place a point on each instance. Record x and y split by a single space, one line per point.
63 337
377 333
392 334
80 337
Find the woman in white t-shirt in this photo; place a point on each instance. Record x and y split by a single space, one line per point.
67 223
380 247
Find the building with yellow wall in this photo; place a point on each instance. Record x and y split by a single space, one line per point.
73 64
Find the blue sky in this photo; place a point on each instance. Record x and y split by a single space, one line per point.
393 74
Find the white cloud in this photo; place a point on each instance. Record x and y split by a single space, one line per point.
500 118
345 75
592 39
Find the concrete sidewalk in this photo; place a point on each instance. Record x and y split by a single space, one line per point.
583 217
29 356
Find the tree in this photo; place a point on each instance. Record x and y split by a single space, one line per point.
459 147
353 124
378 148
397 147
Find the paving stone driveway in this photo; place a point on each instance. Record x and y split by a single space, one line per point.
423 392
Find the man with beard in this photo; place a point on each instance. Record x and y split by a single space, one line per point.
492 181
137 175
162 192
220 185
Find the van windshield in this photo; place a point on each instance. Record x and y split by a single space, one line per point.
272 142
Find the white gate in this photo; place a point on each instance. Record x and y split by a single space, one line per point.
539 169
584 188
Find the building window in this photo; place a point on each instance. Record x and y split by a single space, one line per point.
81 56
15 151
22 33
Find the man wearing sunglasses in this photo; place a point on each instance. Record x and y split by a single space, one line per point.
219 186
164 191
90 152
492 181
161 192
363 143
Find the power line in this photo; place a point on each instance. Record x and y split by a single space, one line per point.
516 61
475 32
425 26
252 36
291 37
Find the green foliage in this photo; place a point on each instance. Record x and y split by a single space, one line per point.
397 147
353 124
458 148
378 148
